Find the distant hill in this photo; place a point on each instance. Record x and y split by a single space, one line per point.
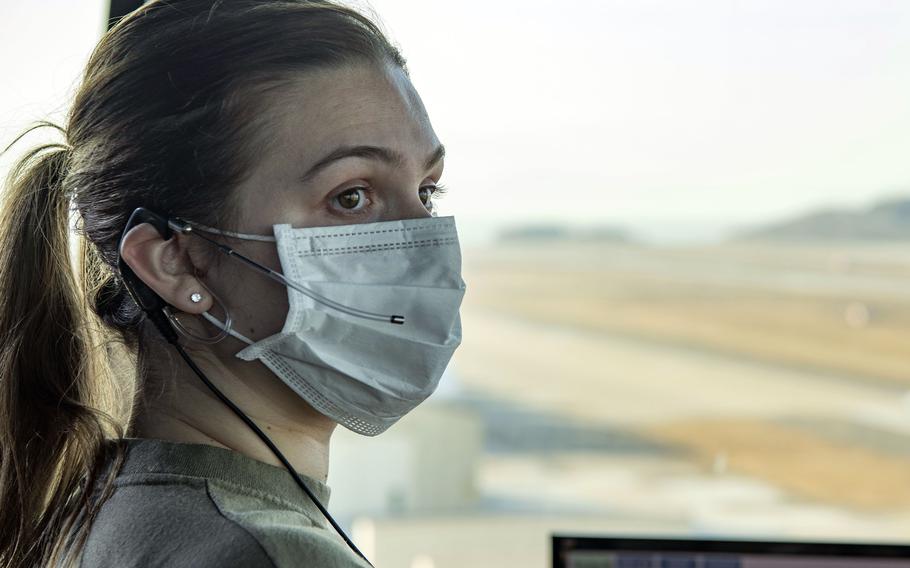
888 220
539 233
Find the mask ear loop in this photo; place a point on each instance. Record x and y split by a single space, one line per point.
224 331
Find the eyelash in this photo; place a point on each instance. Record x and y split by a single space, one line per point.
438 191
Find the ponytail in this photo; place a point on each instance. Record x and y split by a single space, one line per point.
52 428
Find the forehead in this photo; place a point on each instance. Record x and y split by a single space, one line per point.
352 105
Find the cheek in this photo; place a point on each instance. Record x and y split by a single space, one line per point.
261 306
277 311
258 305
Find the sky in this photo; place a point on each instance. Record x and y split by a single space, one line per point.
677 119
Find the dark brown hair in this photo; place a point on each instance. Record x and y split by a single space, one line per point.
170 115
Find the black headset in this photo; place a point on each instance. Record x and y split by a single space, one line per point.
147 300
154 307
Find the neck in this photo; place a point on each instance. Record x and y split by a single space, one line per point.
177 406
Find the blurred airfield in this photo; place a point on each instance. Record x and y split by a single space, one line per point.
786 363
758 390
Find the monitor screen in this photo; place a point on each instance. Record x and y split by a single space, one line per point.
607 552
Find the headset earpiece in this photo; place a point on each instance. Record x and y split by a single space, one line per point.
146 298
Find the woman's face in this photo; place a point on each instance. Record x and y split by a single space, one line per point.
348 145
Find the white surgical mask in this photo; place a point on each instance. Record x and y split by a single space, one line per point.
341 348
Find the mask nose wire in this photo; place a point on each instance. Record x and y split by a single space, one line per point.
186 228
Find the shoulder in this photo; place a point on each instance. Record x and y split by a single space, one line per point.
168 521
305 546
290 537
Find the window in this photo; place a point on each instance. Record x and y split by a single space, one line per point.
44 51
685 230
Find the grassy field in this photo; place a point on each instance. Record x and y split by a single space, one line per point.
805 464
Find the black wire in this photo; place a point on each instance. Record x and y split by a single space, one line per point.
271 446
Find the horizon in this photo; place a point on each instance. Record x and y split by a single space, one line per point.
668 232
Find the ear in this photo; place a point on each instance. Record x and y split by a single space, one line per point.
165 267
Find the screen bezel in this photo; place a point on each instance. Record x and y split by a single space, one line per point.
563 544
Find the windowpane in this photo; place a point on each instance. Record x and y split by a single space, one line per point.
685 231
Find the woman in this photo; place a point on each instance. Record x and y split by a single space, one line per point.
253 182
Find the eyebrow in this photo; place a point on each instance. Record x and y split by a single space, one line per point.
379 153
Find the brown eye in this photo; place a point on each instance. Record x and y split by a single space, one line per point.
352 199
426 195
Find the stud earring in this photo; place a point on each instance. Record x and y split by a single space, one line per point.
196 297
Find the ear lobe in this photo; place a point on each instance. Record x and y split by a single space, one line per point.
165 267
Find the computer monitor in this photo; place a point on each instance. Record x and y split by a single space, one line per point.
620 552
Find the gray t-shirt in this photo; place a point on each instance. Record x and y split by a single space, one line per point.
202 506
